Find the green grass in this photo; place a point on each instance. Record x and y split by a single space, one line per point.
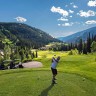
38 83
76 77
84 65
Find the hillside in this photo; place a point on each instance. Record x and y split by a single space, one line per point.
24 35
76 37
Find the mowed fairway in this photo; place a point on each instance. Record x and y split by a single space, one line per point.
76 77
38 83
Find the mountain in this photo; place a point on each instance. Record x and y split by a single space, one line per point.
24 35
77 36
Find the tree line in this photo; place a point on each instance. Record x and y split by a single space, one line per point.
16 54
84 47
88 46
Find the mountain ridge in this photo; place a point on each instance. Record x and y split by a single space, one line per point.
25 35
78 35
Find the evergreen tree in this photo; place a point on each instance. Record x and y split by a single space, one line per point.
21 53
27 55
36 54
80 47
89 44
33 54
93 46
94 38
84 49
71 46
76 45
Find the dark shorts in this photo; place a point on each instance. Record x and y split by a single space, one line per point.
54 71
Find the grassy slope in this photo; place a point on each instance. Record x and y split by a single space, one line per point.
30 82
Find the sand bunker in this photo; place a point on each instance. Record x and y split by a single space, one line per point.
33 64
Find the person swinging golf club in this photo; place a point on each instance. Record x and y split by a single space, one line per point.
53 68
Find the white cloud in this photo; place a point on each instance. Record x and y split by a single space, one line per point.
62 19
77 22
74 6
59 24
92 3
71 16
71 3
60 11
66 5
86 14
91 22
67 24
21 19
70 11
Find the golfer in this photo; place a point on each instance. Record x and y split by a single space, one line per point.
53 68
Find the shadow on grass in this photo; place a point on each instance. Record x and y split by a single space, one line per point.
45 91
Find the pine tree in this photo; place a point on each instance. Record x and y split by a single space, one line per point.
93 46
84 48
80 47
21 53
94 38
89 44
33 54
36 54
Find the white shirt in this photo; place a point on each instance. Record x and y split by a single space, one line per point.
54 64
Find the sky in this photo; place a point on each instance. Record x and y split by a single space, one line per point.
59 18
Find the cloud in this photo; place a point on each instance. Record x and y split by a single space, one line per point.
77 22
70 24
66 5
91 22
71 16
86 14
59 24
21 19
60 11
67 24
62 19
70 11
92 3
71 3
74 6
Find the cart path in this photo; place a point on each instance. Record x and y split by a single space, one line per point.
32 64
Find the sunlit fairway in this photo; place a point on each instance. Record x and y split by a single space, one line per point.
76 77
84 65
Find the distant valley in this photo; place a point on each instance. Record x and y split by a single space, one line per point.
77 36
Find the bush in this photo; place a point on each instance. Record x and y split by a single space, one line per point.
26 60
70 53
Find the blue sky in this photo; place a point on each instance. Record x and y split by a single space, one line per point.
56 17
